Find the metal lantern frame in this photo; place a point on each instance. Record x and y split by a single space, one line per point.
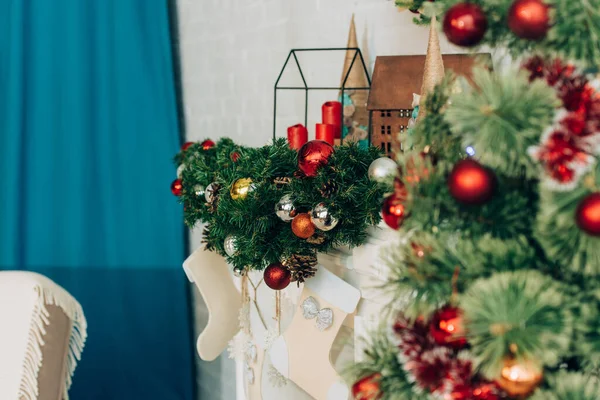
358 57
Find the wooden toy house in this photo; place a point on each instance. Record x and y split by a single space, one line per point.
395 80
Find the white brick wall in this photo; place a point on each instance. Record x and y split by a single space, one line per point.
232 52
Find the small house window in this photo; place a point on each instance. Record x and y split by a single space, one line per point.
389 130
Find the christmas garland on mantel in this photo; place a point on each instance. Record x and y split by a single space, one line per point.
273 205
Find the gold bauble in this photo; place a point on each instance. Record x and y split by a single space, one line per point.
302 226
519 377
240 188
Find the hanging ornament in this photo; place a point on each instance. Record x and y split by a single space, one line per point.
277 276
186 146
207 144
471 183
177 187
367 388
302 226
285 209
587 215
519 378
234 156
240 188
199 190
382 169
230 245
322 218
211 192
447 328
393 211
465 24
313 155
529 19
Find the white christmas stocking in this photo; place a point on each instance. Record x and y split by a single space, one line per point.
210 273
302 352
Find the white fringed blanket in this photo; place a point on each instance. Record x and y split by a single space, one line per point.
24 319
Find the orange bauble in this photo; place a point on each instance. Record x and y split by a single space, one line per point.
519 378
302 226
367 388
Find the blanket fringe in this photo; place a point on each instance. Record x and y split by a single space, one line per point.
57 296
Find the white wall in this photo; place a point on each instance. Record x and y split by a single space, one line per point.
232 52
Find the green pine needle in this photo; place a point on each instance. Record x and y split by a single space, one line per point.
501 117
520 312
570 386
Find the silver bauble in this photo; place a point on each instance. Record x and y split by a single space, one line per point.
230 245
285 209
199 190
322 218
239 272
383 169
210 194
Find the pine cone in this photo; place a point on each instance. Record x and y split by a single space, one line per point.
328 189
302 267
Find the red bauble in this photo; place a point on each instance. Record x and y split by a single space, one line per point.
313 155
587 215
177 187
446 327
465 24
471 183
186 146
393 211
277 276
367 388
529 19
234 156
207 144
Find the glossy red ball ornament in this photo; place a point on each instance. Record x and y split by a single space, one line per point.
465 24
277 276
587 215
177 187
529 19
471 183
186 146
447 328
313 155
393 211
367 388
207 144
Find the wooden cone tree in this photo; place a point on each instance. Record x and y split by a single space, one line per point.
433 71
357 78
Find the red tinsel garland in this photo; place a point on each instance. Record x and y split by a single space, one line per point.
437 369
566 150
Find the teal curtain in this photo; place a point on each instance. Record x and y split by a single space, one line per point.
88 127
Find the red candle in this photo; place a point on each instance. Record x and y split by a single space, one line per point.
325 132
297 136
332 114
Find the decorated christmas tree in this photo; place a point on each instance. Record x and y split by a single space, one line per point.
494 284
